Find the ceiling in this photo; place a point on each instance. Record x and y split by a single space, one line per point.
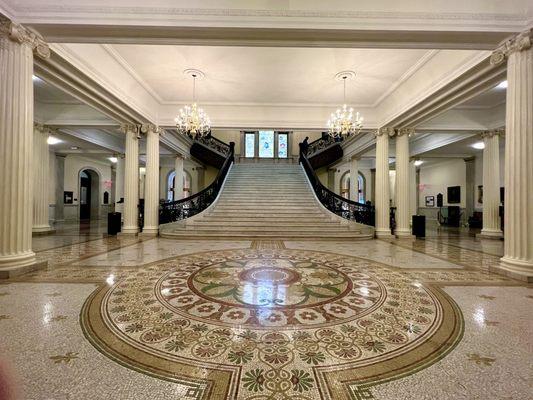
460 148
262 75
492 98
48 94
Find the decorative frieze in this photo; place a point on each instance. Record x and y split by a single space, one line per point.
519 42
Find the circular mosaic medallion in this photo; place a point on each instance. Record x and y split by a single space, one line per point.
285 324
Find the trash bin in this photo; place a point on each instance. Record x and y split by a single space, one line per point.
419 226
113 223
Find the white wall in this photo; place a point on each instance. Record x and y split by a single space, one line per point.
436 178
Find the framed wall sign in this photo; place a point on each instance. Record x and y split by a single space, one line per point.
68 197
430 201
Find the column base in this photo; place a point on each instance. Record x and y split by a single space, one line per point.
520 270
149 232
129 231
42 230
383 234
494 235
404 234
14 266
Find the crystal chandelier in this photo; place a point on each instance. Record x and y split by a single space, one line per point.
343 122
192 120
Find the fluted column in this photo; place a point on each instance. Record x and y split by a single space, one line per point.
119 184
131 181
382 199
40 165
491 185
151 184
17 46
403 183
60 188
354 181
413 190
518 248
178 178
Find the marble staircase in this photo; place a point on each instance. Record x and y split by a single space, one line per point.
266 201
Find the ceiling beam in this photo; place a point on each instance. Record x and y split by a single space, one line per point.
271 37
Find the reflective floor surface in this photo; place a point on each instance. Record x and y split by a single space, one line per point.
132 318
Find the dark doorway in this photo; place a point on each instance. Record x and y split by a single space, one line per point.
85 195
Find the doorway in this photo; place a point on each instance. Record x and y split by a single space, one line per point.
89 195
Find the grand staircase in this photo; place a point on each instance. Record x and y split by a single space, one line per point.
266 201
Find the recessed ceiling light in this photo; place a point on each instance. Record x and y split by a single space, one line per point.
74 147
478 145
53 140
418 163
502 85
35 78
113 159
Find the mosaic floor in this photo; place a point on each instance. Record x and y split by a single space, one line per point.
126 318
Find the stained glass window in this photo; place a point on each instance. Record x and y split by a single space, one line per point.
249 145
266 144
282 145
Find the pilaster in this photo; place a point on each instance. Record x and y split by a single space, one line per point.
354 179
178 178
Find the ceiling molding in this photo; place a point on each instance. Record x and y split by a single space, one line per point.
7 10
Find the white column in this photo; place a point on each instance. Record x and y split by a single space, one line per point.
382 200
131 181
151 183
354 181
178 179
16 135
403 183
40 164
413 190
518 248
119 184
491 185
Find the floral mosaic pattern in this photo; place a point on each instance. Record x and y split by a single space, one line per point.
336 312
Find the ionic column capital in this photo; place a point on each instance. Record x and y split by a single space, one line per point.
519 42
405 131
493 132
151 128
125 128
24 36
384 131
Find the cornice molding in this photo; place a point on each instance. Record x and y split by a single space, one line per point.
236 12
24 36
522 41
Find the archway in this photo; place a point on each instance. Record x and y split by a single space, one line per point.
171 179
89 194
346 186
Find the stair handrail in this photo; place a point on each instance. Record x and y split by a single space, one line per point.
345 208
177 210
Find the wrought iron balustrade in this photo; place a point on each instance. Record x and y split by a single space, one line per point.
185 208
345 208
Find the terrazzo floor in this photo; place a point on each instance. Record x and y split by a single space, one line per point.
134 318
